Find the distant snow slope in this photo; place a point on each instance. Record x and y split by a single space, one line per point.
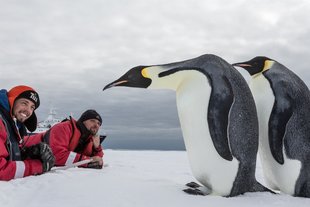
132 178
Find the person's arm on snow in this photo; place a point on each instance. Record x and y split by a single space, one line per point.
59 139
42 152
15 169
94 150
97 153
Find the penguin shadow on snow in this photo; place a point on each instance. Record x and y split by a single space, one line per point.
218 120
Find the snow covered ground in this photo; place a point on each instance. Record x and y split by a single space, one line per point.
131 179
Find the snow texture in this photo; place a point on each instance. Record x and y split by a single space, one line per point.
132 178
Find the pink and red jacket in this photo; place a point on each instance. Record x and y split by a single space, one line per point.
63 139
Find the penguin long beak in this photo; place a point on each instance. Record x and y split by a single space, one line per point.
248 67
115 83
242 65
135 77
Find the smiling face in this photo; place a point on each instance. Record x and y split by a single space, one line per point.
22 109
92 125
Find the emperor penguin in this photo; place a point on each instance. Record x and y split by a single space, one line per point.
218 119
283 106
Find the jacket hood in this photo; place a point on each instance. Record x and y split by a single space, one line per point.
4 101
7 99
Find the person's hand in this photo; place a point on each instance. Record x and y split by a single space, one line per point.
32 152
42 152
96 163
47 157
96 141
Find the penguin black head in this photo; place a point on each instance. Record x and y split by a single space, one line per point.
163 76
256 65
135 77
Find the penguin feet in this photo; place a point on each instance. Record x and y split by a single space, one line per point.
193 185
194 191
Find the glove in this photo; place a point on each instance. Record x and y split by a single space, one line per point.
47 157
94 165
42 152
32 152
97 163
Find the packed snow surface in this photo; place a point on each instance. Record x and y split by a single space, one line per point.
131 178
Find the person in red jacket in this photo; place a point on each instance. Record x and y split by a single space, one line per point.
19 156
72 141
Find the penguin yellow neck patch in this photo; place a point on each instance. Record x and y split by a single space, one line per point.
144 73
268 65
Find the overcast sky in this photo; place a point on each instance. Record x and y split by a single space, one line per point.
68 50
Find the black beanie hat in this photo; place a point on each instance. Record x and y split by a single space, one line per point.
29 93
90 114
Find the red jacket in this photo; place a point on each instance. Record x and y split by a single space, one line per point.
63 139
10 169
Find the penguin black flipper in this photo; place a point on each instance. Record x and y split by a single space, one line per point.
281 113
218 114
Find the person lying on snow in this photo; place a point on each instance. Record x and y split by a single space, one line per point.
72 141
21 156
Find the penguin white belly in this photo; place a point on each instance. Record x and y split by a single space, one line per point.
208 167
277 176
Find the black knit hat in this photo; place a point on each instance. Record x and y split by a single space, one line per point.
90 114
29 93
